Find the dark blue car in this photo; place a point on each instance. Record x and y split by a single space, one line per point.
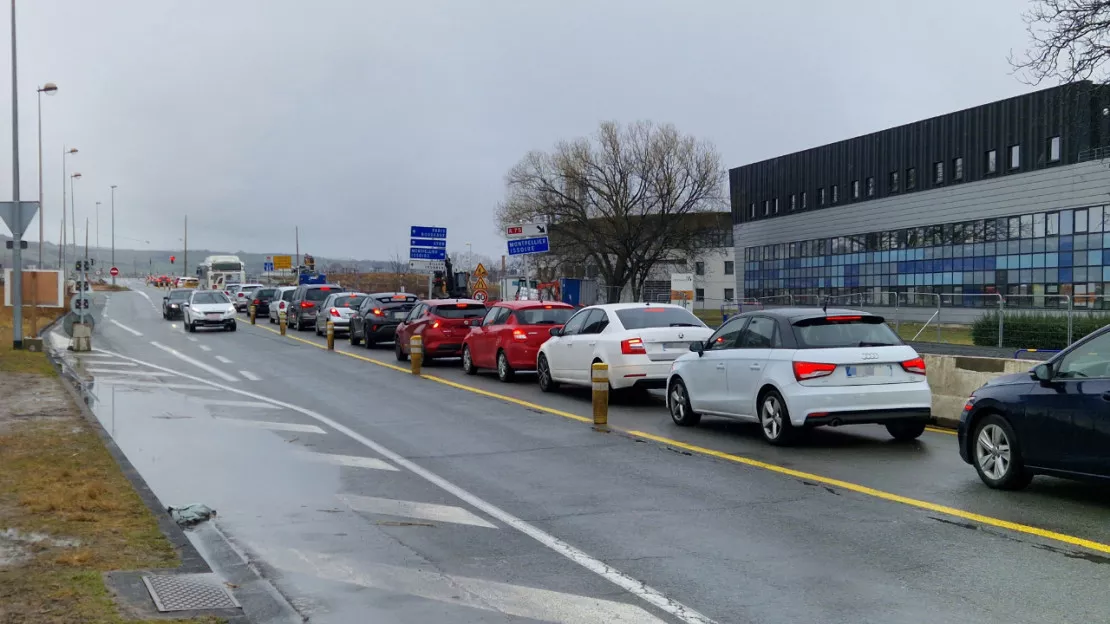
1053 420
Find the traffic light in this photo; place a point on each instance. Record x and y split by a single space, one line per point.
172 258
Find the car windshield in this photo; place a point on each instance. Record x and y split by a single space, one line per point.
544 316
460 310
661 316
287 295
353 301
203 298
180 295
844 331
264 293
319 294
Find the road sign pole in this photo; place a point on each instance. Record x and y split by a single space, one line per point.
17 232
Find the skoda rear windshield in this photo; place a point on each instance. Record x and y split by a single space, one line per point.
543 316
836 331
319 294
459 310
660 316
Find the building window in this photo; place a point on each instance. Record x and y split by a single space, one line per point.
911 179
870 186
938 172
992 161
894 182
1015 156
821 196
805 200
729 267
793 202
1054 149
776 205
958 169
855 189
699 294
753 210
730 294
835 193
699 268
766 207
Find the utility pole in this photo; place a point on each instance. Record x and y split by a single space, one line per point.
97 255
114 231
17 225
297 238
185 259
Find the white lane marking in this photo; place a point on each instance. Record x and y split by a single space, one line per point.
205 348
147 297
250 376
232 403
412 509
637 588
350 461
221 359
135 372
125 328
541 605
190 339
123 381
275 426
111 363
201 365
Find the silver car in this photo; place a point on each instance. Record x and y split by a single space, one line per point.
280 302
242 297
338 308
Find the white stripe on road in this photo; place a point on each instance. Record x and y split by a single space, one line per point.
531 603
190 339
413 509
350 461
111 363
250 376
201 365
124 327
221 359
628 583
123 381
275 426
231 403
139 373
205 348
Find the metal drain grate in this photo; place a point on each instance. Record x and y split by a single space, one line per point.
188 592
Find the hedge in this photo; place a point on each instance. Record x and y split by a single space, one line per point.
1035 330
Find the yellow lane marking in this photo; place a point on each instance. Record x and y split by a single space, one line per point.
863 489
754 463
941 430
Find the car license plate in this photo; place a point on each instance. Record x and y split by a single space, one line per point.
212 316
400 314
881 370
676 345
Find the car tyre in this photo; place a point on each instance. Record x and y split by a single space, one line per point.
317 328
774 420
399 352
996 454
905 431
504 372
233 326
678 404
468 362
352 337
543 375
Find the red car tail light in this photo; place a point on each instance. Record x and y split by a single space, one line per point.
520 334
843 318
916 366
257 301
377 311
633 346
307 304
435 325
812 370
333 312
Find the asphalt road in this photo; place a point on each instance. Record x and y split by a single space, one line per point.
364 493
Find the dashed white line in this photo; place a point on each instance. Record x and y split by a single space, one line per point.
412 509
111 363
232 403
275 426
190 339
221 359
205 348
350 461
201 365
116 371
125 328
250 376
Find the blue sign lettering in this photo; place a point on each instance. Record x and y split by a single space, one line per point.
439 243
523 246
424 253
421 231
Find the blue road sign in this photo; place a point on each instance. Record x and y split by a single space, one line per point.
522 246
421 231
267 266
438 243
424 253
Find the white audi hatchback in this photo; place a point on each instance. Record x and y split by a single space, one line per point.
795 368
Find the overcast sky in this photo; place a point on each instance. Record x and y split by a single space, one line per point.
355 119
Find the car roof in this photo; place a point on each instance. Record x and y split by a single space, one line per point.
629 306
521 304
795 314
392 294
437 302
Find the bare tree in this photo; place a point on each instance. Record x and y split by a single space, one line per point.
1069 41
620 201
399 267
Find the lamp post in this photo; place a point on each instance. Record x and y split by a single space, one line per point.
50 89
113 231
17 225
73 213
65 176
97 236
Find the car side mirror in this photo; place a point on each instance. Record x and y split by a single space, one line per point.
556 331
1042 372
697 347
165 298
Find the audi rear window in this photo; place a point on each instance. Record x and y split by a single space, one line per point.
460 310
831 332
543 316
648 316
319 294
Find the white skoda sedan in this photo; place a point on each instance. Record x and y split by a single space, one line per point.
791 369
637 340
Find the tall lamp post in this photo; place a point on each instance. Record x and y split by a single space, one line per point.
97 255
65 176
113 231
73 213
50 89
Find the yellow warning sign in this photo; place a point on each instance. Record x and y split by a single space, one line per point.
481 284
481 271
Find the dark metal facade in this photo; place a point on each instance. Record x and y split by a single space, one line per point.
1070 121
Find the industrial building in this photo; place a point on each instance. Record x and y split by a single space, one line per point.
1011 197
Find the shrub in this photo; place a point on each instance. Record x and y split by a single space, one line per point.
1035 330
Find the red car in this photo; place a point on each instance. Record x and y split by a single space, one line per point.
441 323
510 334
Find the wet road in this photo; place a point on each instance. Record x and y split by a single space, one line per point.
366 494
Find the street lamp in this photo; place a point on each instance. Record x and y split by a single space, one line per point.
97 256
73 213
50 89
65 175
113 231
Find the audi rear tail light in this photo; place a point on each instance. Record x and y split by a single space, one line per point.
633 346
519 334
916 366
812 370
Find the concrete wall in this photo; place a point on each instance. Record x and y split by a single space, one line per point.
953 378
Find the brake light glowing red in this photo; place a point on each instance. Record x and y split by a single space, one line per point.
633 346
325 288
307 304
333 312
812 370
916 366
655 309
377 311
460 305
257 301
843 318
519 334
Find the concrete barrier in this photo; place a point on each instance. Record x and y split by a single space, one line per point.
953 378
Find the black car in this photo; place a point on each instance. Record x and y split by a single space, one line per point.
171 303
261 299
1053 420
377 318
306 302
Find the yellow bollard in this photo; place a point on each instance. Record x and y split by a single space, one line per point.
416 353
281 322
254 313
331 336
599 374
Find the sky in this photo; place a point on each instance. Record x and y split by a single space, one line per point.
355 119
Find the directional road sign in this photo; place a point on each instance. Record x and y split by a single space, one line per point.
427 253
526 230
524 246
7 213
421 231
439 243
427 266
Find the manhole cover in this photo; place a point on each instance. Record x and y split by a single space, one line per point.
188 592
